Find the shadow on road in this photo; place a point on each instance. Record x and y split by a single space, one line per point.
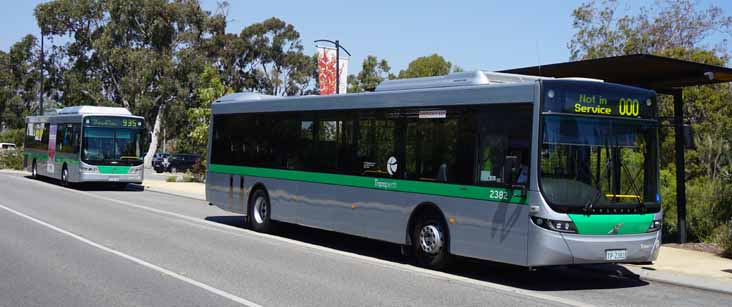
581 277
92 186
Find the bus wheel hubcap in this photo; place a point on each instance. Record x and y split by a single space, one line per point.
431 239
260 210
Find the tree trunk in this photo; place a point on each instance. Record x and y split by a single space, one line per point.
154 138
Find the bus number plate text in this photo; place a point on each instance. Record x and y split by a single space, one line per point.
615 254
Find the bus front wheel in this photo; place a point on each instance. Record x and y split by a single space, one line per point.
259 212
34 170
65 176
430 243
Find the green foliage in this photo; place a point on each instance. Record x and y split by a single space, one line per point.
195 132
139 54
372 73
601 31
185 177
268 58
12 159
723 238
426 66
15 136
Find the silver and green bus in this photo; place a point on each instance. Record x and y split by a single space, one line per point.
509 168
86 144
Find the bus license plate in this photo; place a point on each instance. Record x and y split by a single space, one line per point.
615 254
115 179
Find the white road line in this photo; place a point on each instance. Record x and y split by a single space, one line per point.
384 263
139 261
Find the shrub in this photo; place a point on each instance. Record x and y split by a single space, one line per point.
14 136
723 238
199 170
191 177
172 179
12 160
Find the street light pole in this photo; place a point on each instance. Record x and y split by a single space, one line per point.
338 48
338 67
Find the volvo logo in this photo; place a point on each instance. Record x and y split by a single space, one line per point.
615 229
391 166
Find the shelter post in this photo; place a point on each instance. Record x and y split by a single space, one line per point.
680 165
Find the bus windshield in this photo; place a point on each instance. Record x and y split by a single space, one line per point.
594 164
120 146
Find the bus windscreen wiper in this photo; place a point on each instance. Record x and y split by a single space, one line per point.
633 186
591 202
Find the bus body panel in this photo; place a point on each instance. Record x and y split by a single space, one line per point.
482 229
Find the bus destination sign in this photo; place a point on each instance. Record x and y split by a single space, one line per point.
600 102
113 122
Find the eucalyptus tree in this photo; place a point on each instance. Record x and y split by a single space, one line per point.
139 54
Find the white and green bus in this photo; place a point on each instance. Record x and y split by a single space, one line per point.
86 144
510 168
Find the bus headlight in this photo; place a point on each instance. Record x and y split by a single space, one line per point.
89 168
561 226
655 226
135 170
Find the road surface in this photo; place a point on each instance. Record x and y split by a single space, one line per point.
92 247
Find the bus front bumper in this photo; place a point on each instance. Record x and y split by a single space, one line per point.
548 247
96 177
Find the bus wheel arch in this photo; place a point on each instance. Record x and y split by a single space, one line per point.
428 236
259 209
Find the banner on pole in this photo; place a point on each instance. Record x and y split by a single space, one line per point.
327 71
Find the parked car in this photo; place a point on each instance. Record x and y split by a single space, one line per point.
175 163
7 147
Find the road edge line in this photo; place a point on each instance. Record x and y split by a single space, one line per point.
136 260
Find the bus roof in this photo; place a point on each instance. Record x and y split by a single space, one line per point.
84 110
513 89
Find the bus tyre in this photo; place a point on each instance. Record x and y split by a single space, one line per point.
259 212
34 170
65 176
430 243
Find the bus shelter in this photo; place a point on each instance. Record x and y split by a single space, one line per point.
664 75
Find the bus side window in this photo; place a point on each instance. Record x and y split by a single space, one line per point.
502 132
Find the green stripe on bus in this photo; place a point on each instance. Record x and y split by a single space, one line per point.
602 224
431 188
36 155
116 170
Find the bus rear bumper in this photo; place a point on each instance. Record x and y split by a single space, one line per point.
554 248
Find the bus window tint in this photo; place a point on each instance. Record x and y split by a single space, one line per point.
503 132
375 145
467 145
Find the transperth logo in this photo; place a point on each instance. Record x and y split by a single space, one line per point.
391 166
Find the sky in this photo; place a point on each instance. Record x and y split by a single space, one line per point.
477 34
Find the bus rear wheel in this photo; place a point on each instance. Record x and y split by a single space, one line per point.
430 242
259 212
